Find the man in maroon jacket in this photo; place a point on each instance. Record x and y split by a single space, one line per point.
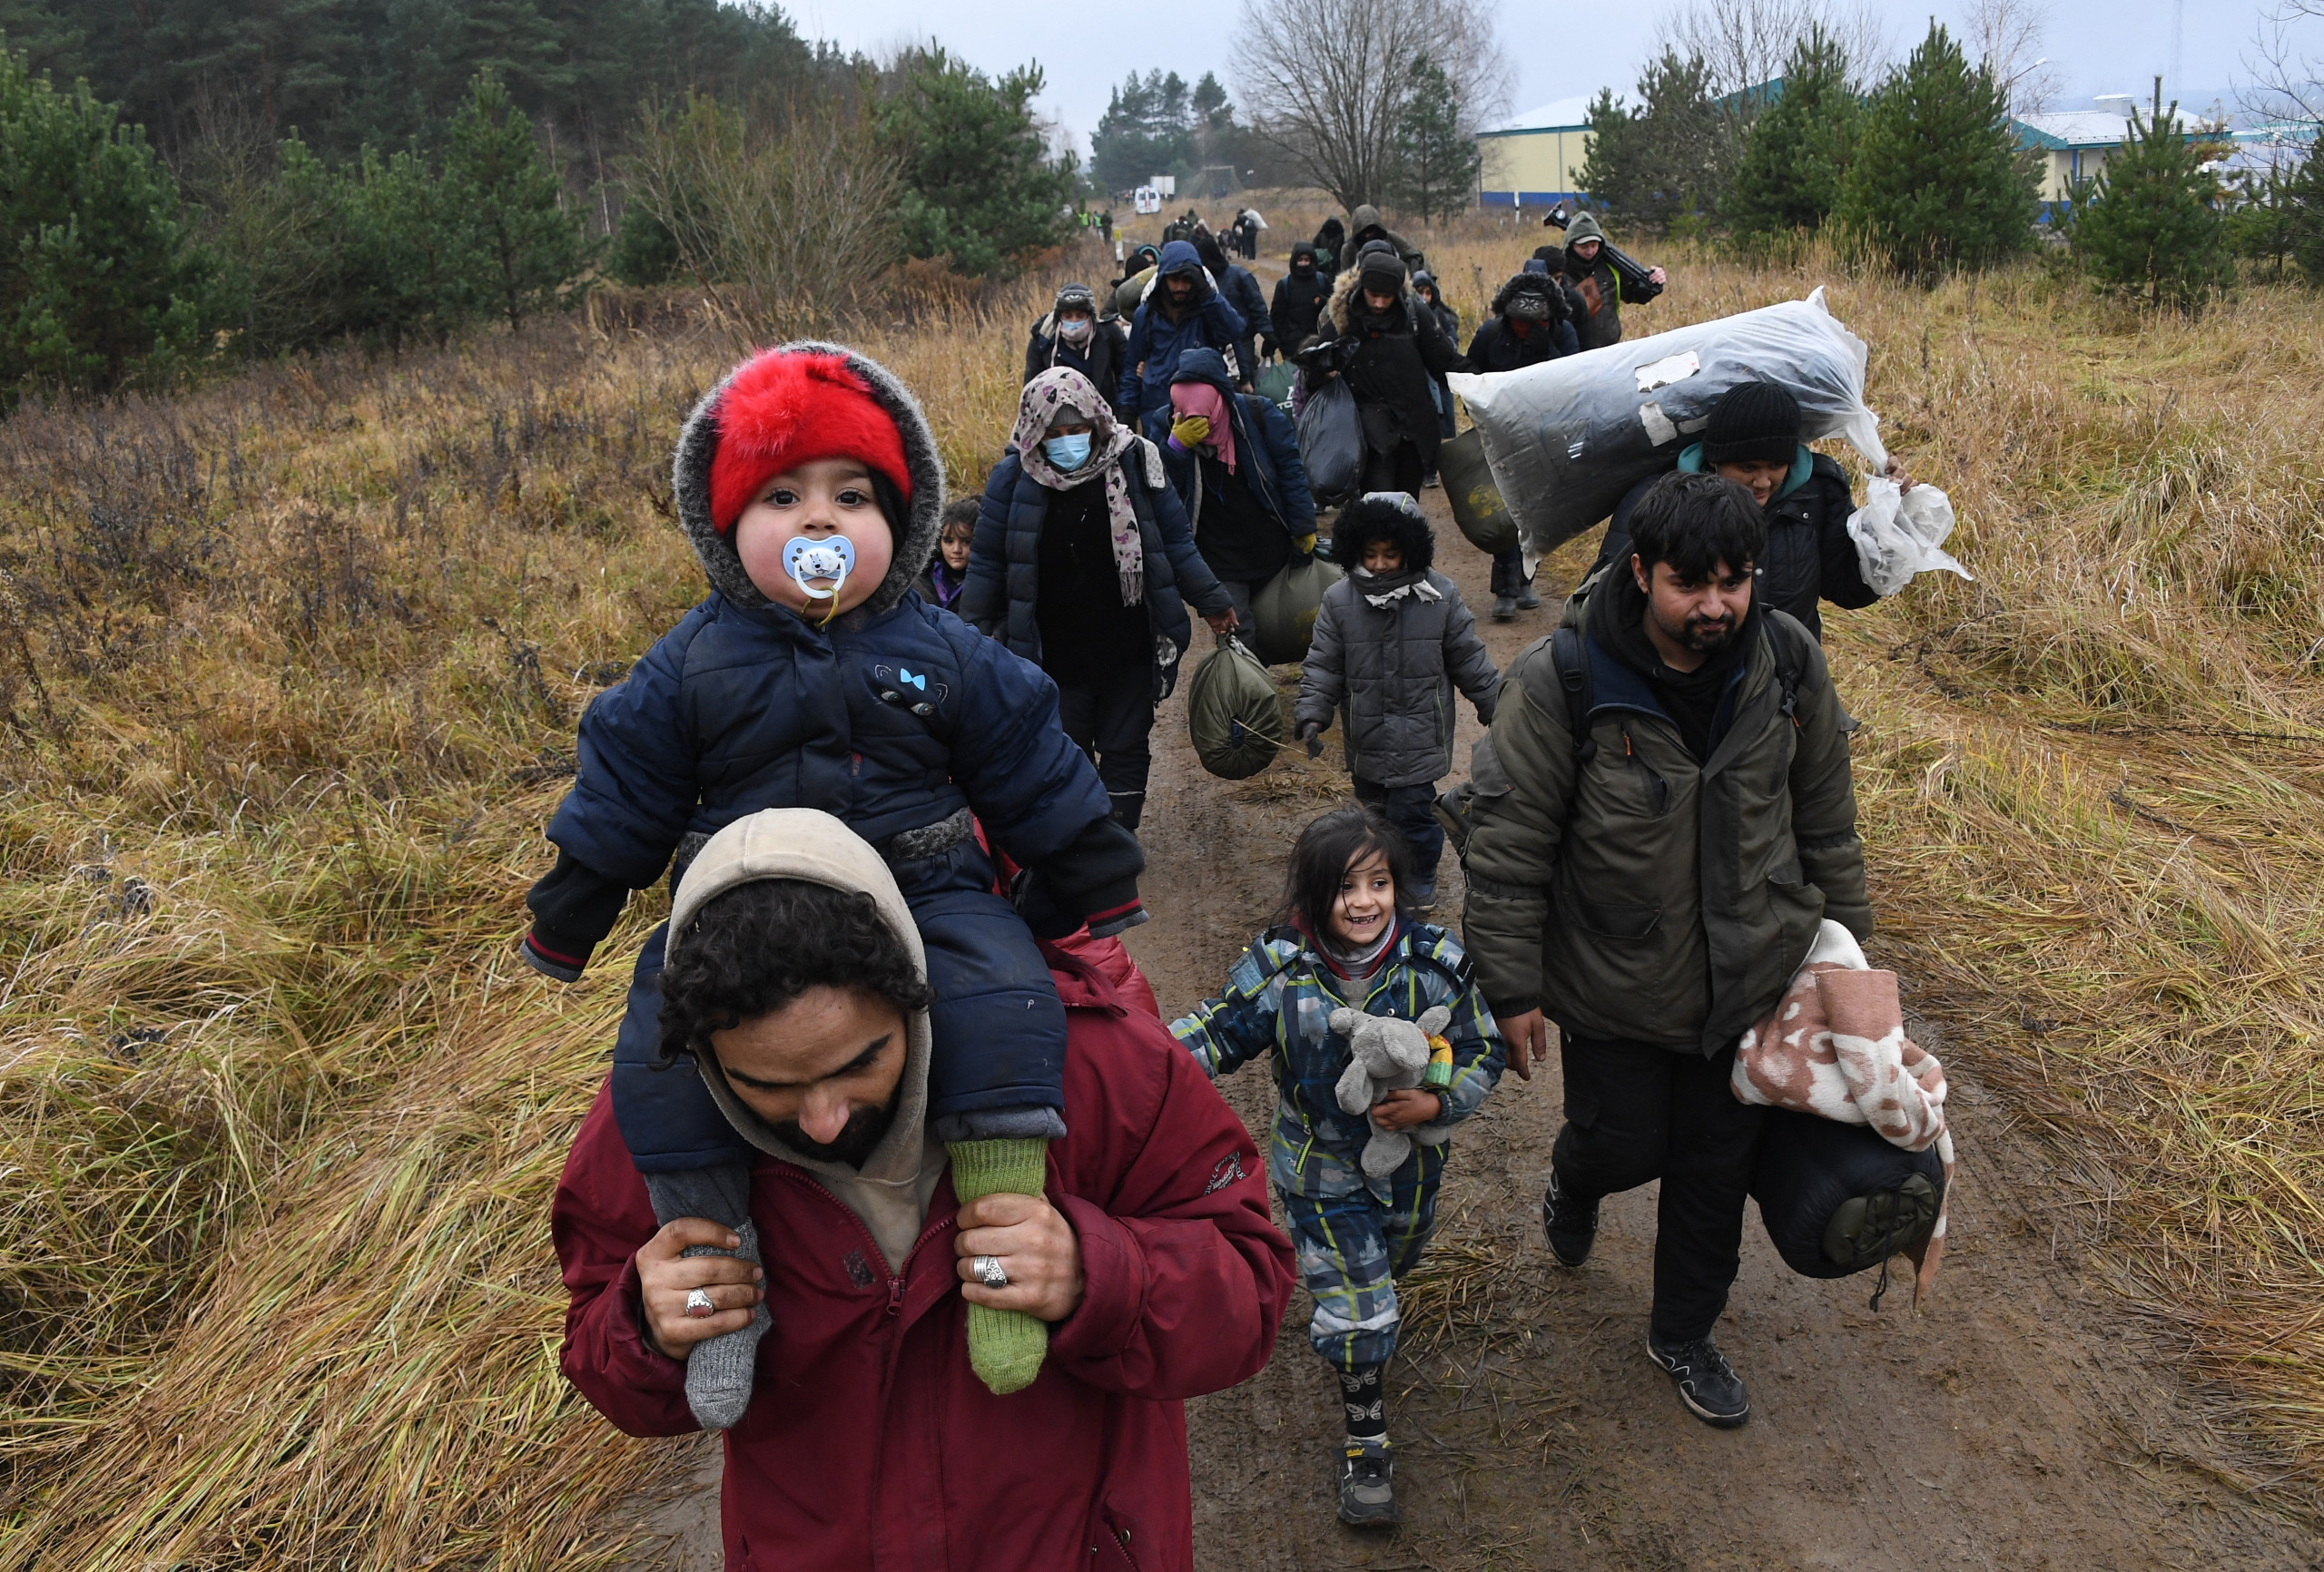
796 988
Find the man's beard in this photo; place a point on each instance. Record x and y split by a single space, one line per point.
1700 635
862 1135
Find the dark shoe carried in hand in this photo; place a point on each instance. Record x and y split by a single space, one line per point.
1571 1226
1527 601
1706 1383
1503 607
1368 1486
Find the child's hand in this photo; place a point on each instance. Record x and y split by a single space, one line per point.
1402 1109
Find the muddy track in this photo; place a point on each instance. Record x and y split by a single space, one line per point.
2020 1420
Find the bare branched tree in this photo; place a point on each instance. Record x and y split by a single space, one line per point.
2004 36
2286 66
1746 42
1324 80
784 219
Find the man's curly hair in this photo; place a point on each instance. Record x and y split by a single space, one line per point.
752 949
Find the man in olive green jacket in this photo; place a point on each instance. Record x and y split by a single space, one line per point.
1652 885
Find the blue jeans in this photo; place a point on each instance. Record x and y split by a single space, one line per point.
998 1025
1413 810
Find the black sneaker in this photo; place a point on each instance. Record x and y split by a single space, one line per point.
1706 1383
1368 1486
1571 1227
1527 601
1503 607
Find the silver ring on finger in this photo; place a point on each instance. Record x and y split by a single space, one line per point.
698 1303
990 1271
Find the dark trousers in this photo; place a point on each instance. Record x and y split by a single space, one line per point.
1636 1112
1109 716
1398 469
1509 572
1412 809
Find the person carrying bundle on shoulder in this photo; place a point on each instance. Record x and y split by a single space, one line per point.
1382 1045
1753 438
1601 288
1532 323
1392 642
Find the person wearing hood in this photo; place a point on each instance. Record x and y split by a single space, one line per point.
1138 271
1299 297
1393 642
1753 438
797 992
1329 238
1242 291
1532 322
1448 319
1602 290
1072 335
810 487
1389 347
1663 819
1182 311
1083 564
1364 226
1233 459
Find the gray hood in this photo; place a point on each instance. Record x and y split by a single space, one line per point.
890 1192
916 535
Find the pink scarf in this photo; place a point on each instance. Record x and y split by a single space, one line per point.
1202 399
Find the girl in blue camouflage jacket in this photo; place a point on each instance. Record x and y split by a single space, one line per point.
1346 939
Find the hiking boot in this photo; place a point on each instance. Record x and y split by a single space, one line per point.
1706 1383
1527 601
1368 1486
1423 897
1503 607
1428 480
1571 1227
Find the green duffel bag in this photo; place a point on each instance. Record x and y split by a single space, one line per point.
1232 713
1477 507
1283 612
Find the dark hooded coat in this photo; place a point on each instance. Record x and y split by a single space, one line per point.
1366 224
1250 302
1100 362
1299 301
1157 336
1329 238
1498 348
1601 290
1390 670
1390 361
1267 452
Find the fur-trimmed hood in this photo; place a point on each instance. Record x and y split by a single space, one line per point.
1383 515
916 533
1344 289
1531 283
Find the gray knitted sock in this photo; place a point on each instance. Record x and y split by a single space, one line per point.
719 1369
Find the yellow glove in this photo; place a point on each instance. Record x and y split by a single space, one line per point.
1191 430
1307 542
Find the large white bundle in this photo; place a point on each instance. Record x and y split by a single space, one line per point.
1567 439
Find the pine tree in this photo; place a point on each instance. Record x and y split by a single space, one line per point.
1937 180
2303 199
100 281
1437 169
522 246
1797 148
1669 158
1147 129
2148 227
983 192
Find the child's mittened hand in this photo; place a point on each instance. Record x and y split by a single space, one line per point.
1404 1109
665 1277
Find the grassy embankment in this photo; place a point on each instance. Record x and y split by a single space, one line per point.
289 666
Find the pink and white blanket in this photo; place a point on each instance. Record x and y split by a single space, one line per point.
1835 1047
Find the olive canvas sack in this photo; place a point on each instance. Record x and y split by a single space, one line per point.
1282 611
1234 713
1477 508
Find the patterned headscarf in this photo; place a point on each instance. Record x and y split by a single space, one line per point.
1061 389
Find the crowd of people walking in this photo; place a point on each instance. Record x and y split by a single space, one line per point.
900 1179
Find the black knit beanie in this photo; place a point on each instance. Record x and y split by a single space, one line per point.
1752 420
1378 267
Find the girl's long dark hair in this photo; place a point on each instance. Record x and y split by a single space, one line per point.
1321 856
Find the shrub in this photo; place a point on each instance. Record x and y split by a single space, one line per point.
2147 225
983 193
1797 150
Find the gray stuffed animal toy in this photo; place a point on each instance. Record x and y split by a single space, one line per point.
1386 1054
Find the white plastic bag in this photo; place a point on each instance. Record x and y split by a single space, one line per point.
1566 439
1899 534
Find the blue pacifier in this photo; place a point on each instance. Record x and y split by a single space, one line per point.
831 557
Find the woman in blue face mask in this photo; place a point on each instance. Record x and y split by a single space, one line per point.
1082 556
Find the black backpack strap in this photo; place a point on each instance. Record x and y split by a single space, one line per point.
1571 658
1786 639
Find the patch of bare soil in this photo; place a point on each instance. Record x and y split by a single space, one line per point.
2020 1420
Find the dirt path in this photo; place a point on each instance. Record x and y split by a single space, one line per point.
2020 1423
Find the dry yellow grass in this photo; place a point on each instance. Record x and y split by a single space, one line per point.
288 672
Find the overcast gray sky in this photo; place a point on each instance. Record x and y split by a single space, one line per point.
1561 50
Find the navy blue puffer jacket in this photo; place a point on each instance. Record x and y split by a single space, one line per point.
1004 555
1265 444
1155 342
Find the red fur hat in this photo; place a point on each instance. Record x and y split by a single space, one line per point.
780 410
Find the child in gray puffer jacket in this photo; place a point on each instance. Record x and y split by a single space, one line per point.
1391 642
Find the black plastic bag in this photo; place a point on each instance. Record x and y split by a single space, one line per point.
1331 442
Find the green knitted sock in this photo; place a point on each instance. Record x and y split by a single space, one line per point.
1006 1347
